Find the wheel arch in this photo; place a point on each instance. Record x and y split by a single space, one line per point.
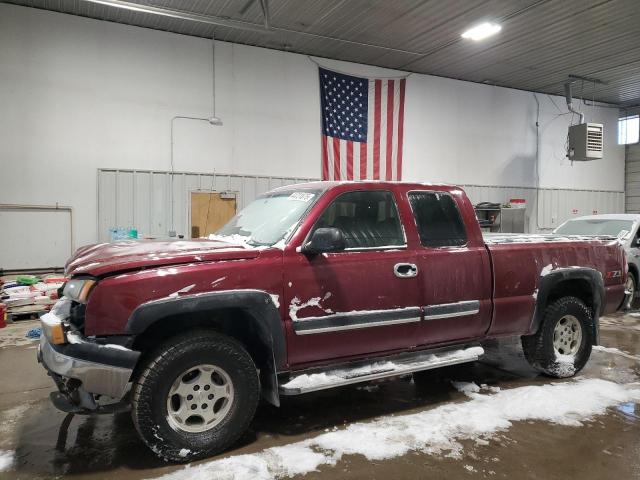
585 284
249 316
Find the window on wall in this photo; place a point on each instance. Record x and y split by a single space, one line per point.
628 129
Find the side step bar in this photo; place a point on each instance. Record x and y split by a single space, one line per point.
313 380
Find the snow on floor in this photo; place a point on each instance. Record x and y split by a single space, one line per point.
466 387
435 431
6 460
615 351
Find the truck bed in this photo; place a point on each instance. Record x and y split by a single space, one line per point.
522 261
497 238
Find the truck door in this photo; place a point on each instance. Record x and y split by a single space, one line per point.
455 272
359 301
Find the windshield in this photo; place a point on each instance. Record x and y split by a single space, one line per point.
595 226
271 217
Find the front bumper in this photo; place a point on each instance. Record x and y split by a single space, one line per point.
84 369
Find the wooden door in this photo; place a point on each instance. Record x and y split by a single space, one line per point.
209 212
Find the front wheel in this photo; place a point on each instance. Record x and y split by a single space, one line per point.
562 345
196 396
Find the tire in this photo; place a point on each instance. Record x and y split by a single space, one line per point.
215 363
560 317
632 286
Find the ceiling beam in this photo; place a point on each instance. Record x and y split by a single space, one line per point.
182 15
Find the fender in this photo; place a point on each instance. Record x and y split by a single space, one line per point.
548 282
259 306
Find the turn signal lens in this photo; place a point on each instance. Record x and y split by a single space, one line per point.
56 335
53 329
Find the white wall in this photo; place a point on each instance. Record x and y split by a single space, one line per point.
78 94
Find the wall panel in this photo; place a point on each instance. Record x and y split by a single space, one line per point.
147 206
142 199
632 178
553 206
43 233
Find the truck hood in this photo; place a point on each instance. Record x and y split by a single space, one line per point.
107 258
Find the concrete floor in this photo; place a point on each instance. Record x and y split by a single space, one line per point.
51 444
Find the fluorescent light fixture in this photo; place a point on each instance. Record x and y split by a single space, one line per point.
482 31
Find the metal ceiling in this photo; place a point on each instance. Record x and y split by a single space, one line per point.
542 41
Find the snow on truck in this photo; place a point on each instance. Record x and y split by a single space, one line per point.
313 286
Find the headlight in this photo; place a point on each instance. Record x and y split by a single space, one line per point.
78 289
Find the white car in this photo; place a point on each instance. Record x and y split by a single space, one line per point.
621 225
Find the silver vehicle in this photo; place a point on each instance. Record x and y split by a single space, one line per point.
621 225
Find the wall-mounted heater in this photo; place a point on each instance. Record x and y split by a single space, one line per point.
585 141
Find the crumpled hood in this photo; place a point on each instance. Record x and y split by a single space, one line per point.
106 258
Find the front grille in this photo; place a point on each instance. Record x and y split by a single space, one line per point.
76 316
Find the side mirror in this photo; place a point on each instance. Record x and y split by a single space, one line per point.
325 240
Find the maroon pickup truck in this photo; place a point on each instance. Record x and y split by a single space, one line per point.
313 286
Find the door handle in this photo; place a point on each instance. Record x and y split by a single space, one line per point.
405 270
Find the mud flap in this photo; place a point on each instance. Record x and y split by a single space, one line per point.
269 382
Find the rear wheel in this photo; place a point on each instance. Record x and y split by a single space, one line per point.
196 396
562 345
630 287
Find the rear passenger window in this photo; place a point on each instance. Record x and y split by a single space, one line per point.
367 219
438 219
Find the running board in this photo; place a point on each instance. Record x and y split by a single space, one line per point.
386 367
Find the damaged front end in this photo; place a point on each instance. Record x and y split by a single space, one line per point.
92 377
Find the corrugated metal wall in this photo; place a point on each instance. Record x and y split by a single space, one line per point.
632 178
142 199
555 205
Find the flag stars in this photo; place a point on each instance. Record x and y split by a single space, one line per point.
344 108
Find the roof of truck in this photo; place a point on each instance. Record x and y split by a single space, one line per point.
325 185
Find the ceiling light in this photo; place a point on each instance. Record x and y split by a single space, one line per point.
482 31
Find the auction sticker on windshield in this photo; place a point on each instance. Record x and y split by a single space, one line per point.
301 196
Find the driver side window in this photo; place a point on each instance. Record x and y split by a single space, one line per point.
367 219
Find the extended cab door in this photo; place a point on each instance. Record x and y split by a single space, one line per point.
359 301
455 272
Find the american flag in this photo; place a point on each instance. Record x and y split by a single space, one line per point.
362 127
